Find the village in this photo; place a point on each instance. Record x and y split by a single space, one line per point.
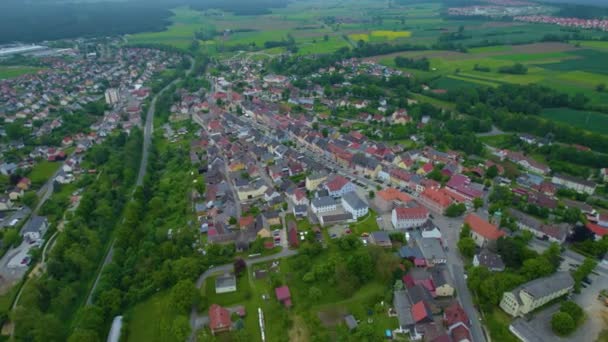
283 178
51 119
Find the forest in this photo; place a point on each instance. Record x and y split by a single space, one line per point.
49 304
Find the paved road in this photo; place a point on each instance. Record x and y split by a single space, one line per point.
143 167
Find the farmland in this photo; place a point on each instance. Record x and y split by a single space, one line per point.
592 121
16 71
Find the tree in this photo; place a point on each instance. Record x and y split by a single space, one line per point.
325 132
325 37
30 198
600 87
232 220
239 266
184 295
562 323
314 293
455 210
180 328
11 237
572 309
467 247
492 172
477 203
371 194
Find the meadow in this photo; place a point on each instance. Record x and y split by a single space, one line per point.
7 72
592 121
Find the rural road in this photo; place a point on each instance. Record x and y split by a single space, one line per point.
143 167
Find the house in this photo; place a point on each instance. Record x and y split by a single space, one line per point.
5 203
251 191
432 251
329 219
219 319
298 197
283 295
457 322
407 218
354 205
24 183
403 309
437 200
338 186
314 180
8 169
34 229
300 210
577 184
271 218
388 198
552 232
292 234
489 260
482 231
536 293
442 281
422 313
351 322
380 238
246 222
15 193
323 204
225 283
604 174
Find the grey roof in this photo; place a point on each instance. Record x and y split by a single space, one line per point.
403 307
354 201
419 293
380 237
350 321
226 280
324 201
490 260
526 330
337 217
440 276
431 249
542 287
317 175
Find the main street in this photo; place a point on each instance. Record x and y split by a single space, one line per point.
450 229
143 167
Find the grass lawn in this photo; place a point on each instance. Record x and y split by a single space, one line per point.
497 323
42 171
144 321
499 141
16 71
242 294
366 225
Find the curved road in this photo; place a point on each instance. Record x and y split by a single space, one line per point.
143 166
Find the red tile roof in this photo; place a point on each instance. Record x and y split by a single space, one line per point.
483 227
417 213
597 229
282 292
420 311
337 183
461 333
438 196
219 318
392 194
454 314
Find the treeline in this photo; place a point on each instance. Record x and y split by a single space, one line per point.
515 69
33 22
147 256
239 7
48 304
420 63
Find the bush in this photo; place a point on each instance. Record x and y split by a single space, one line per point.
562 323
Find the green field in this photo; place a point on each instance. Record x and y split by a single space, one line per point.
7 72
592 121
156 309
42 171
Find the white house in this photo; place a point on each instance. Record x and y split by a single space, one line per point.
354 205
323 204
404 218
